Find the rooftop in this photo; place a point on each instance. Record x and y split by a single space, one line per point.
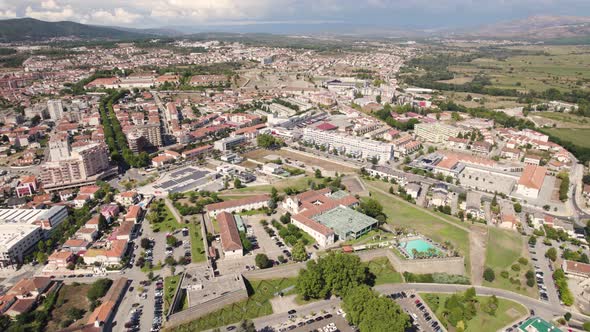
344 220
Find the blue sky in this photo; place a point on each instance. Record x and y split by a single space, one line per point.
211 13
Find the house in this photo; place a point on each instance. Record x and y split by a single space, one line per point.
413 189
127 198
111 254
124 231
508 221
61 258
481 147
27 186
94 222
576 269
273 169
162 160
21 297
473 205
86 234
230 236
80 200
110 211
89 190
512 154
76 245
134 213
531 159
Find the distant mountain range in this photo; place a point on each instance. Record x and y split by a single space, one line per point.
537 27
28 29
532 28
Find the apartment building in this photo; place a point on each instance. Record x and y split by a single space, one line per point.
55 109
356 147
17 240
229 143
84 164
436 132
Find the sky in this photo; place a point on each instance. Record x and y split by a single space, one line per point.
212 13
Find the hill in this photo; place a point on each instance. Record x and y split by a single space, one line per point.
28 29
538 28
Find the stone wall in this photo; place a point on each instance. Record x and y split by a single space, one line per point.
281 271
450 265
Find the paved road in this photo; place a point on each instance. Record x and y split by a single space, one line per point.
542 309
329 306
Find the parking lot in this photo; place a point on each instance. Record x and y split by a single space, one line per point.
423 319
543 273
323 322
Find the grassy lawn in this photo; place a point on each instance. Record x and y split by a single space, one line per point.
156 267
507 312
572 120
578 136
252 212
169 224
69 296
413 217
170 285
257 305
197 245
503 250
384 272
299 183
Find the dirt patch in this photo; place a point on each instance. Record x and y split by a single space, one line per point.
70 296
513 313
354 185
260 155
477 245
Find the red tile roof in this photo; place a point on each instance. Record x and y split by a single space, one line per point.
577 267
326 126
230 236
533 176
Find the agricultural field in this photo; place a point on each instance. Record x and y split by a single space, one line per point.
578 136
564 120
502 254
507 312
561 67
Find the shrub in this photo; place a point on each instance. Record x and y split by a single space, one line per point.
523 261
489 275
99 288
515 267
504 274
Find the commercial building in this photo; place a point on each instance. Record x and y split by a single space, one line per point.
576 269
531 181
436 132
353 146
229 143
230 236
16 241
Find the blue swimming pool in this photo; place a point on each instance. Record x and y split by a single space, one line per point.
420 245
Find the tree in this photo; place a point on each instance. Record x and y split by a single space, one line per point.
238 183
533 240
262 261
98 289
285 218
171 240
146 243
246 326
382 314
491 305
318 173
517 207
335 273
551 254
567 316
371 207
246 243
489 275
356 302
298 252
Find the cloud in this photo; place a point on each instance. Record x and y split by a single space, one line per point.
215 12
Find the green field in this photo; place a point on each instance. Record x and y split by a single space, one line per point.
507 312
504 249
566 120
561 68
384 272
299 183
404 214
577 136
170 285
197 245
169 224
257 305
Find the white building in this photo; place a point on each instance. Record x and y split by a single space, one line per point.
436 132
17 240
356 147
55 109
229 143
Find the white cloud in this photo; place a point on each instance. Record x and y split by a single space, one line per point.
7 14
49 4
119 16
66 13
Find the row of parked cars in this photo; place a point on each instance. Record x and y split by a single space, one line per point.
158 303
132 324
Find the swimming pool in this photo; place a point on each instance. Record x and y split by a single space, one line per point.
420 245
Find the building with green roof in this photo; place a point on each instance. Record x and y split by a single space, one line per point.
346 222
536 324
